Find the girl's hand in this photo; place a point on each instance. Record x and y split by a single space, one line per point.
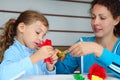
42 53
85 48
45 52
54 59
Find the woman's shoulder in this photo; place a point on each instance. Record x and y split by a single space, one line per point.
118 42
119 39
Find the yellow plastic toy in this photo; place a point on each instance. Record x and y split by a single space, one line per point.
96 78
62 55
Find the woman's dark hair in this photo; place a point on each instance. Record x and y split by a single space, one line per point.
10 30
114 7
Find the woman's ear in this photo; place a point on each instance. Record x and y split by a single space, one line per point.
21 27
117 20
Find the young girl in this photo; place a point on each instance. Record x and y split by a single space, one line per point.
19 53
104 47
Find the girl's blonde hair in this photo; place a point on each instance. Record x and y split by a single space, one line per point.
10 29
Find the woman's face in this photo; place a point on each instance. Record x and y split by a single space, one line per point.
102 21
33 34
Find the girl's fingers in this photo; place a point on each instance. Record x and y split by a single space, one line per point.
54 57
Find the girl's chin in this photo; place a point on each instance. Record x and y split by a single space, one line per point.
33 48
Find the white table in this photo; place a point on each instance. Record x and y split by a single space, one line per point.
60 77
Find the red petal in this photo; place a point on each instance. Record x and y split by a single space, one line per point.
47 42
97 70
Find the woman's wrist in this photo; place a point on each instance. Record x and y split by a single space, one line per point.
98 50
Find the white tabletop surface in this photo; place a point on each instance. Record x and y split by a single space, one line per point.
60 77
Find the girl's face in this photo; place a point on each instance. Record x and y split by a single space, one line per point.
33 34
102 21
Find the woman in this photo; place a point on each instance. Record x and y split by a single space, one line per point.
103 48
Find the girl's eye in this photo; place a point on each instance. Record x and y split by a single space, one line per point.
37 32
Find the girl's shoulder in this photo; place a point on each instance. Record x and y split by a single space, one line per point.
13 49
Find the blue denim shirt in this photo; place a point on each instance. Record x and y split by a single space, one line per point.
110 60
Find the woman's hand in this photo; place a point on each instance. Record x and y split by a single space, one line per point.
85 48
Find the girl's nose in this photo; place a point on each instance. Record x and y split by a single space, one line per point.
40 38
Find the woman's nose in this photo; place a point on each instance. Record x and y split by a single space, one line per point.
96 21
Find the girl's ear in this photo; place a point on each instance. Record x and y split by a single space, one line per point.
117 20
21 27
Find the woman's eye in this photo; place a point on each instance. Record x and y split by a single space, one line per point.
103 18
92 17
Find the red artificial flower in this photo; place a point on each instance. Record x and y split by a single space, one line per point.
97 71
47 42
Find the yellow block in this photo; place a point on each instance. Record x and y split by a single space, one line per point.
96 78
